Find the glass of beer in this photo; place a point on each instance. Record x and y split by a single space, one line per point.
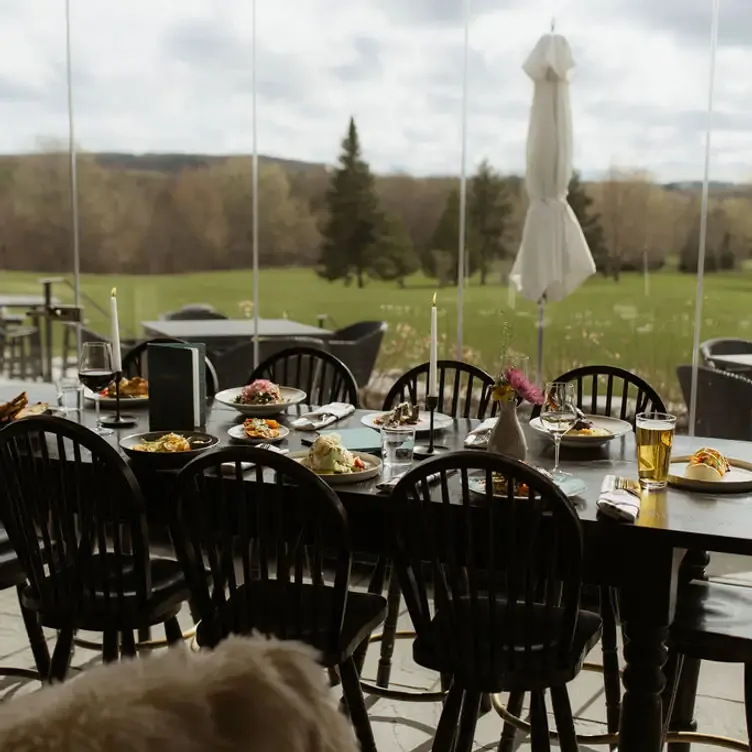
655 435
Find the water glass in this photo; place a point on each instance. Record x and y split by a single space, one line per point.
70 395
655 436
397 444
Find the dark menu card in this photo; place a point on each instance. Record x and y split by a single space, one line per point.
177 386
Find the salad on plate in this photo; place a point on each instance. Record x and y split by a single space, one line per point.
260 392
327 456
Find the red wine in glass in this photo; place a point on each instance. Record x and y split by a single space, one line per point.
96 379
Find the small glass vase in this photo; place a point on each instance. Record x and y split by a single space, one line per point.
507 436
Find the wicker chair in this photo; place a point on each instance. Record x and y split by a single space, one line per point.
358 346
725 346
724 402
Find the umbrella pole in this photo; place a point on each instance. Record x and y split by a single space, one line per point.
539 373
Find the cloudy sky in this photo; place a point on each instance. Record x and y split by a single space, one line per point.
175 75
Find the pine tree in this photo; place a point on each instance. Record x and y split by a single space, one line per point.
351 230
441 257
487 211
590 223
394 256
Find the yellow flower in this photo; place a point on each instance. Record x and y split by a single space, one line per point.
502 393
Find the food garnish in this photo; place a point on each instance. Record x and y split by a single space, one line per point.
707 464
130 388
327 456
585 427
260 392
170 442
261 428
404 414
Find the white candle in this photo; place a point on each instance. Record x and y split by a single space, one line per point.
116 356
433 385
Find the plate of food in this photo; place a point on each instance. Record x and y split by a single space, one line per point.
335 464
19 408
259 431
260 398
167 449
408 416
134 391
589 430
570 485
710 471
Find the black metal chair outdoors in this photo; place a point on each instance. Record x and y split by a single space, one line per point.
725 346
195 312
358 346
724 402
321 375
505 572
20 351
74 513
264 544
135 362
611 391
469 389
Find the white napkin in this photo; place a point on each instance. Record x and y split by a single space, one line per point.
484 427
323 416
618 503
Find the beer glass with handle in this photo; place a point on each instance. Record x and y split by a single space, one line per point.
558 414
655 435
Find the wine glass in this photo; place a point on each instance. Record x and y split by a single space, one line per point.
558 414
96 371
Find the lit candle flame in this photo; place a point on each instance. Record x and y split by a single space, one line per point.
113 293
433 302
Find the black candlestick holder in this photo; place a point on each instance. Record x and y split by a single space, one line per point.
118 420
431 449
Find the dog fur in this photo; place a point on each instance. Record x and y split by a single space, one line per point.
250 694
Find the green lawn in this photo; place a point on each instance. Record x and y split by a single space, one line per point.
602 322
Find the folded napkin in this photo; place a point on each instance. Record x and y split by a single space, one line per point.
619 503
387 485
228 468
479 435
322 416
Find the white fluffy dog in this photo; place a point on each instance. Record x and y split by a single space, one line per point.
248 695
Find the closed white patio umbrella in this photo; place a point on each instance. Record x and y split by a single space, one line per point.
554 258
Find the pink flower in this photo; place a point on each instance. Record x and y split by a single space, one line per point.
523 387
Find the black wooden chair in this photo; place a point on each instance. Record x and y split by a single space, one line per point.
135 362
464 389
713 622
505 574
321 375
264 540
724 402
611 391
74 513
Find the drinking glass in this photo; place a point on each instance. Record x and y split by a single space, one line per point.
397 444
558 414
655 435
69 390
95 372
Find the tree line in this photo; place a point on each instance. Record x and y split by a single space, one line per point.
191 214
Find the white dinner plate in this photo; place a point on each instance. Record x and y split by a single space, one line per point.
440 421
570 485
110 402
238 433
372 469
614 426
736 480
290 396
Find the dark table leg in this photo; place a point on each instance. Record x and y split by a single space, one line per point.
648 599
682 719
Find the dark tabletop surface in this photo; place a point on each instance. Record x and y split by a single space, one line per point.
684 519
211 328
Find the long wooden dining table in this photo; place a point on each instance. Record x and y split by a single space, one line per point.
640 559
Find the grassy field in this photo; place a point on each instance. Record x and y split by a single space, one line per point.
603 321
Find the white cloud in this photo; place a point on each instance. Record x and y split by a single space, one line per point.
176 75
